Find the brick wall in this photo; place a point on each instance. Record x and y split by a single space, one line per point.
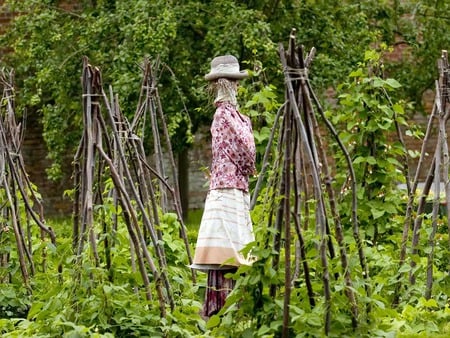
34 152
5 16
402 51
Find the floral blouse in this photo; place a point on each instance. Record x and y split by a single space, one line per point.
233 148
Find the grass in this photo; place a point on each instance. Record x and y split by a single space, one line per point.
193 223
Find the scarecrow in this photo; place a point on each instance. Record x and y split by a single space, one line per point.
226 227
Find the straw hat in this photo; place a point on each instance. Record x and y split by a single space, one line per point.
226 66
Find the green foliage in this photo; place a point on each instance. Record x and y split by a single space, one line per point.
48 44
73 299
15 301
261 105
368 119
419 35
250 311
81 300
76 298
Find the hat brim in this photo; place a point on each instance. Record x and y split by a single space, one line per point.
235 76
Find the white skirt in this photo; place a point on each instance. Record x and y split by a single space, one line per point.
225 229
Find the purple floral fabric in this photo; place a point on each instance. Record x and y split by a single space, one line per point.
233 148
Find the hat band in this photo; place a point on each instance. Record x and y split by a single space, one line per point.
225 68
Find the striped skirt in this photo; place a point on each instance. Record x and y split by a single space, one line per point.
225 229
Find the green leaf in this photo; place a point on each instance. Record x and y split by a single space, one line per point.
377 213
359 159
213 321
107 289
428 302
398 108
36 307
393 83
263 330
357 73
248 333
377 82
405 268
393 161
314 320
371 160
